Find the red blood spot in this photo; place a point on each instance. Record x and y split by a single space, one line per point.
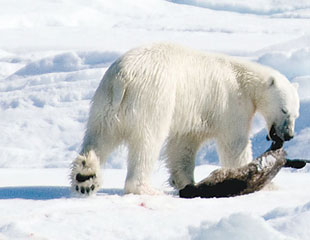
142 204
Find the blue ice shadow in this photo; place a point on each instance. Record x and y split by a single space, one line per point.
35 193
46 192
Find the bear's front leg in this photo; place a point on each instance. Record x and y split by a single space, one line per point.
181 151
235 153
86 174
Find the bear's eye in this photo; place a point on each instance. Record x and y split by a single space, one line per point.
284 111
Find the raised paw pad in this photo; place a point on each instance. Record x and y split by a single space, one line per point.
85 190
82 178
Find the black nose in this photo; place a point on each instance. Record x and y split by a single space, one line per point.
288 137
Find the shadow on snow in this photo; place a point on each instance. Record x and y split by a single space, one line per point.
46 192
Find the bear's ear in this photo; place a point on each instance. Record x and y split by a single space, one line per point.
271 81
295 85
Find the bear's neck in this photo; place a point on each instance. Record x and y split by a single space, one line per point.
251 78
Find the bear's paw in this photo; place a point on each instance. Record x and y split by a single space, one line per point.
86 175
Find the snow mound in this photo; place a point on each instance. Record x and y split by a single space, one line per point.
300 13
68 62
287 46
298 219
283 212
264 7
65 62
237 226
292 64
4 54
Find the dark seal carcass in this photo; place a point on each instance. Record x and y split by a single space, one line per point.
252 177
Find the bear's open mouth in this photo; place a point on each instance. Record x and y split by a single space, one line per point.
277 142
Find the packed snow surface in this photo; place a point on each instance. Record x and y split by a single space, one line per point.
53 55
37 204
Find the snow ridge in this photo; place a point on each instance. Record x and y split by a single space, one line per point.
265 7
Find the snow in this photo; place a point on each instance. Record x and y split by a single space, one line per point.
304 83
233 227
37 204
52 57
263 7
68 62
294 64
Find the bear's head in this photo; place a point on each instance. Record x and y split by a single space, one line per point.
279 104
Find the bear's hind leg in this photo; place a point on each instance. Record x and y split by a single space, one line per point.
180 153
141 159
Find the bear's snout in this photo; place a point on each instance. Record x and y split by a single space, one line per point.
288 136
280 135
273 134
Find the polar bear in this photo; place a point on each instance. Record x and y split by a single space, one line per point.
166 94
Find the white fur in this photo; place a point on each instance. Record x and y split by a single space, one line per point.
168 92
